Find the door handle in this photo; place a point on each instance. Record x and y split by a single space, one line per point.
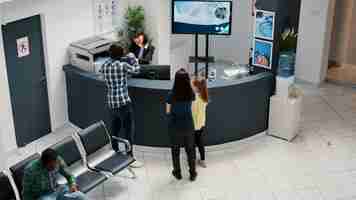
43 79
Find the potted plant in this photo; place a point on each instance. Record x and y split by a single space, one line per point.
287 56
289 40
135 20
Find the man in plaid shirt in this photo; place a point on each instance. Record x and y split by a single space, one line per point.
115 72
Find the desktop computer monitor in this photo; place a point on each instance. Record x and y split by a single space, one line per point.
154 72
201 17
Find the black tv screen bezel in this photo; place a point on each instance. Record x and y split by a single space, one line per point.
202 33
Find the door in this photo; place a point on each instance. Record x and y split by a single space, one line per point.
26 72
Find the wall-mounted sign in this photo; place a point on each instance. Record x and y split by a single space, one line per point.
23 47
105 11
262 53
264 24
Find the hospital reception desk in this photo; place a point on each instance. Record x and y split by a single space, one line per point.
238 109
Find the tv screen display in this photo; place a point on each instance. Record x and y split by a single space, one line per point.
201 17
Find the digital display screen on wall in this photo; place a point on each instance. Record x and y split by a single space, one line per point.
201 17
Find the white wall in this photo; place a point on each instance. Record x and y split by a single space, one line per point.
65 21
234 48
164 30
3 163
314 40
7 133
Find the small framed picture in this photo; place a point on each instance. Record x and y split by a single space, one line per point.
23 47
262 53
264 24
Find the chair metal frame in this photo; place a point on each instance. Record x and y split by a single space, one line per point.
81 147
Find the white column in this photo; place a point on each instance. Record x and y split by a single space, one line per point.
164 32
2 153
7 130
314 40
3 90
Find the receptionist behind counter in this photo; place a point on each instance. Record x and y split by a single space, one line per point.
142 49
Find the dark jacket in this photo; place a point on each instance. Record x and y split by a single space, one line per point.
147 53
181 113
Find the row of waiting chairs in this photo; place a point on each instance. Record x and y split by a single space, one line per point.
85 155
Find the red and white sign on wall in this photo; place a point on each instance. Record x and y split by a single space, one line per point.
23 47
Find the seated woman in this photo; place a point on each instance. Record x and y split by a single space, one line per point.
142 49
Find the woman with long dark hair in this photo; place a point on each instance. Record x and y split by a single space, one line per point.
181 125
142 48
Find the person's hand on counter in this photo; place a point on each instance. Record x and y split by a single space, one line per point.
168 111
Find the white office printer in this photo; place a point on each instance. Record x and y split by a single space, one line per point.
90 54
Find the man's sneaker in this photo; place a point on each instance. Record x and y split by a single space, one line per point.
136 164
202 163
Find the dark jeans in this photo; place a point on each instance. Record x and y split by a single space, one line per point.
122 119
182 137
199 142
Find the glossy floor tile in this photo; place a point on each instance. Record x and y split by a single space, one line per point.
320 164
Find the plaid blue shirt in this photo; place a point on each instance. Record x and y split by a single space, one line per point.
115 74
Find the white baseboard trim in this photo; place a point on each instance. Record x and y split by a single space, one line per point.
214 148
342 83
301 81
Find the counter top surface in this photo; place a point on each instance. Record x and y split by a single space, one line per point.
167 85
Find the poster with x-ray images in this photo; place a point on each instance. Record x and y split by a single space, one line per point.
104 13
264 24
262 53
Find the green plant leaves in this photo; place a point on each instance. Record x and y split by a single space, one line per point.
135 20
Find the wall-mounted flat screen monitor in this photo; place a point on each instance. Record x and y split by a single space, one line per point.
201 17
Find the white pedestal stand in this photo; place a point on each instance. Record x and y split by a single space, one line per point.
285 112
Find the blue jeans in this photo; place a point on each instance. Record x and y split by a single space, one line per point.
63 194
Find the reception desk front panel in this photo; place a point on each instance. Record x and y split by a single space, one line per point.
238 109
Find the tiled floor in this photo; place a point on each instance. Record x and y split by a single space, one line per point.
319 165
